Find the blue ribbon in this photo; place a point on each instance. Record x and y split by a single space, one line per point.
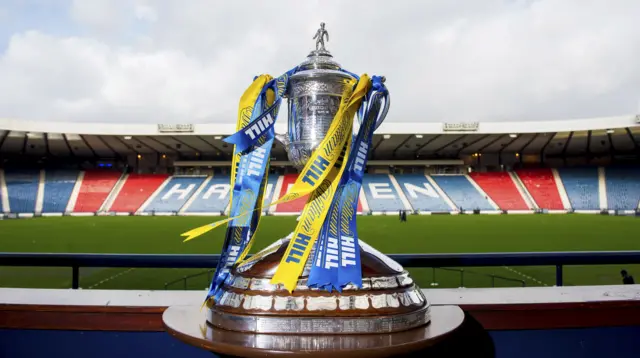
251 177
345 205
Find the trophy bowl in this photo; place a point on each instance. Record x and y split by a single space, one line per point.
314 96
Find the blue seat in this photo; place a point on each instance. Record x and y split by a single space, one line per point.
463 194
22 187
623 188
581 185
175 194
214 198
58 186
421 195
380 193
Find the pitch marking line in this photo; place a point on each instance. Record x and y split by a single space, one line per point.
525 276
111 277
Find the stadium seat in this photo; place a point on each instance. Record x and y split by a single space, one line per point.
381 195
541 184
136 190
214 198
94 190
463 194
500 187
623 188
294 206
58 186
421 195
175 194
22 187
581 185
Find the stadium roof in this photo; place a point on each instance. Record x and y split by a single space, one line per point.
392 139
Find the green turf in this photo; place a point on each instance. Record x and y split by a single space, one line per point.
421 234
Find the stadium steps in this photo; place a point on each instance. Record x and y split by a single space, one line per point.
463 192
135 191
4 194
95 189
602 189
40 194
541 185
421 193
500 188
73 199
623 188
401 196
481 191
277 189
22 189
362 199
523 191
173 194
113 194
195 195
382 195
562 191
442 194
212 198
151 197
58 187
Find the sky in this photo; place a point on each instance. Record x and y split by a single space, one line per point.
170 61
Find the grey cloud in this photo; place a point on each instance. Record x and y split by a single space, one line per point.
169 61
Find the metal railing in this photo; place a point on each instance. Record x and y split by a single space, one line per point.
557 259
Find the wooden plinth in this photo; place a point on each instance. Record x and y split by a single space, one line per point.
188 324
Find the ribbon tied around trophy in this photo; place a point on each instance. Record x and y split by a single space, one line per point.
331 177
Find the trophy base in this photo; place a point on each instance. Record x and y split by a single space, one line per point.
188 324
387 301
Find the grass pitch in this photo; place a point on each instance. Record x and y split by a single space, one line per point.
421 234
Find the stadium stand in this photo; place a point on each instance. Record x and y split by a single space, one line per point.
541 184
294 206
22 189
581 185
94 190
499 186
381 194
623 188
212 198
421 194
136 190
463 194
175 194
58 187
271 186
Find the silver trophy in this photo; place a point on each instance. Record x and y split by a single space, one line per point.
314 95
388 301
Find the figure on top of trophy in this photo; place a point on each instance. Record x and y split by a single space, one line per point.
319 37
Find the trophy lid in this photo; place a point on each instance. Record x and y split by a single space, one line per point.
320 58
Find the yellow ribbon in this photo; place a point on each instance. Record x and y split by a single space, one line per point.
311 221
323 158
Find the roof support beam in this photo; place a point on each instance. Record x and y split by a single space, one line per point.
470 144
395 150
95 155
426 144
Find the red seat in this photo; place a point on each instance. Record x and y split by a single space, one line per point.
136 190
500 187
96 186
541 184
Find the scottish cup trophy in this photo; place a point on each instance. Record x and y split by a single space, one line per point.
322 282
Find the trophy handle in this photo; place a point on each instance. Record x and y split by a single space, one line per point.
385 110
